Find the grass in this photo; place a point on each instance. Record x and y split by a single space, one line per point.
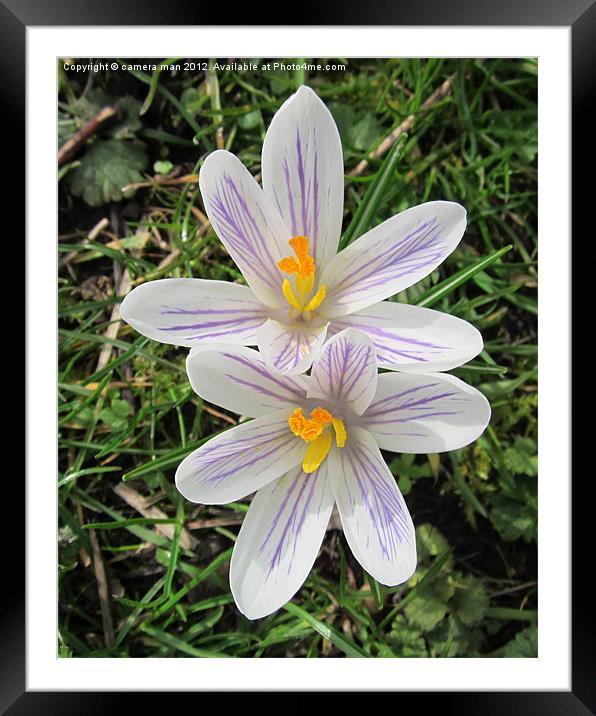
143 573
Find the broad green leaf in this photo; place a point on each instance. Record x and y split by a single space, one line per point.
106 167
524 645
470 600
513 519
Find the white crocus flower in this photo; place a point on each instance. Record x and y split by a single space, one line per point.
284 239
316 441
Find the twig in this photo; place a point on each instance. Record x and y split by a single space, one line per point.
405 126
83 554
136 500
215 522
162 181
219 414
174 254
88 130
212 86
102 590
123 288
92 235
526 585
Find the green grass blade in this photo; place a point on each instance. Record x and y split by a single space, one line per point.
348 647
375 192
443 289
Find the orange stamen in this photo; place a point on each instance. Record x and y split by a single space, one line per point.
289 265
305 266
313 431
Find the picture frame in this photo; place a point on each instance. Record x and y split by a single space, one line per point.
580 19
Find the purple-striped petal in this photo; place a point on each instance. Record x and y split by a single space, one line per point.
236 378
279 541
192 311
248 224
374 516
346 373
431 412
392 256
413 339
240 461
303 171
290 348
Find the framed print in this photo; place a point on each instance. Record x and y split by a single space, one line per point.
284 403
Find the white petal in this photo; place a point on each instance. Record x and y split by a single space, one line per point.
248 224
189 311
236 378
303 171
410 338
392 256
346 373
290 348
279 541
431 412
374 516
240 461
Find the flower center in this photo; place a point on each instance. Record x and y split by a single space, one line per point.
303 267
314 430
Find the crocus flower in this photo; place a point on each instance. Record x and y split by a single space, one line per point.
315 440
284 239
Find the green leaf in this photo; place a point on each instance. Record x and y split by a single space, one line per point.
128 123
121 407
431 603
432 586
513 519
250 120
357 130
429 542
524 645
451 637
124 127
112 419
470 600
406 639
106 167
405 484
191 100
465 490
364 132
163 167
522 456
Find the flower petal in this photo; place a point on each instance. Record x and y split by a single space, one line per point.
240 461
346 373
290 348
303 171
189 311
392 256
279 541
248 224
374 516
432 412
413 339
236 378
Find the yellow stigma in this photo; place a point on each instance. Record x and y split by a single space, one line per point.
303 268
317 452
313 431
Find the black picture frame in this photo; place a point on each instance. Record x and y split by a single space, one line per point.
580 16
